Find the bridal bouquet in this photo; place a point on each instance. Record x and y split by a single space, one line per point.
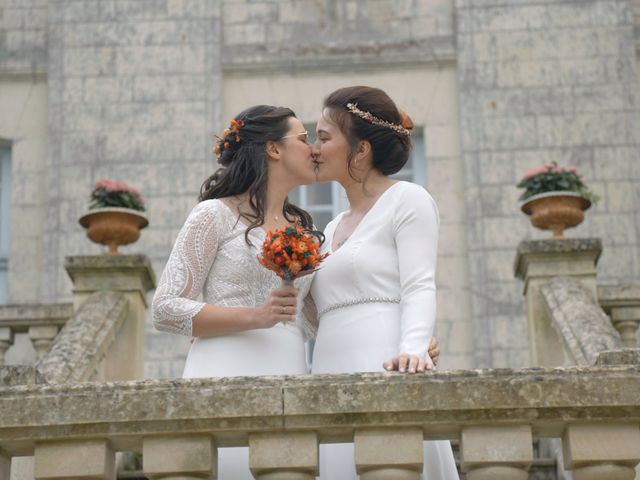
291 252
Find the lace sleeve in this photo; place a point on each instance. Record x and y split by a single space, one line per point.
174 303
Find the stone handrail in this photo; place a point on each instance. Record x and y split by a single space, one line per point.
79 352
83 350
40 321
178 424
582 324
102 340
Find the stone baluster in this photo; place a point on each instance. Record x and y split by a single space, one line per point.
626 320
180 458
86 460
496 453
622 304
284 456
375 460
6 340
42 337
602 451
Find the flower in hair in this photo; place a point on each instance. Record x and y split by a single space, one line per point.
233 131
371 118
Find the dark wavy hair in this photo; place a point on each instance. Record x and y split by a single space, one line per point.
244 165
390 149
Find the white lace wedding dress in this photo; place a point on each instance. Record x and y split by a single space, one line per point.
211 263
376 297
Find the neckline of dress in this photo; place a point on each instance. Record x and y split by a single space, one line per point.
362 220
238 220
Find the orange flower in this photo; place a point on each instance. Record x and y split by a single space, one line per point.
290 252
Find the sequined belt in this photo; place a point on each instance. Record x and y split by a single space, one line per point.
358 301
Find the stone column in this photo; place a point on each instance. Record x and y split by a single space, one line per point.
41 337
395 453
284 456
6 340
131 275
536 263
496 453
86 460
602 451
180 458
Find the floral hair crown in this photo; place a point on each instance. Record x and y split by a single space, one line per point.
230 136
369 117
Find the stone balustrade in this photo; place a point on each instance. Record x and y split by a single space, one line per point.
41 322
75 430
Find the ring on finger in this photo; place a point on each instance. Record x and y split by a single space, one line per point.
283 310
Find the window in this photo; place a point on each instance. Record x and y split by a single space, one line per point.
326 200
5 207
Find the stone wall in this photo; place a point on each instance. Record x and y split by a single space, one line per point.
23 36
302 33
542 81
134 95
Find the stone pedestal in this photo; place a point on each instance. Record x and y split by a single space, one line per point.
496 453
284 456
390 453
188 457
131 275
537 262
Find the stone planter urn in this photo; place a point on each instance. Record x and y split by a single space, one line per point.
113 226
556 211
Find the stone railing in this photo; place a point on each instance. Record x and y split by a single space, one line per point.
40 322
538 263
98 337
178 425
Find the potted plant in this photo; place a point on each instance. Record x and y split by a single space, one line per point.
555 197
115 216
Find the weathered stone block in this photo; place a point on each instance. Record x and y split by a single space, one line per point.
592 444
59 460
193 456
484 446
283 451
372 450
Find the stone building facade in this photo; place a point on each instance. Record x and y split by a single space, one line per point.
133 89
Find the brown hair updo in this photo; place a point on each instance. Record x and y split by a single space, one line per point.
390 148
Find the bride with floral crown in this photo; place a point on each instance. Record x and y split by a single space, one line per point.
382 312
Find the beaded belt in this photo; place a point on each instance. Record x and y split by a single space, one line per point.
357 302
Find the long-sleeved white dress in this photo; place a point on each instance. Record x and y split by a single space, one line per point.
211 263
376 298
